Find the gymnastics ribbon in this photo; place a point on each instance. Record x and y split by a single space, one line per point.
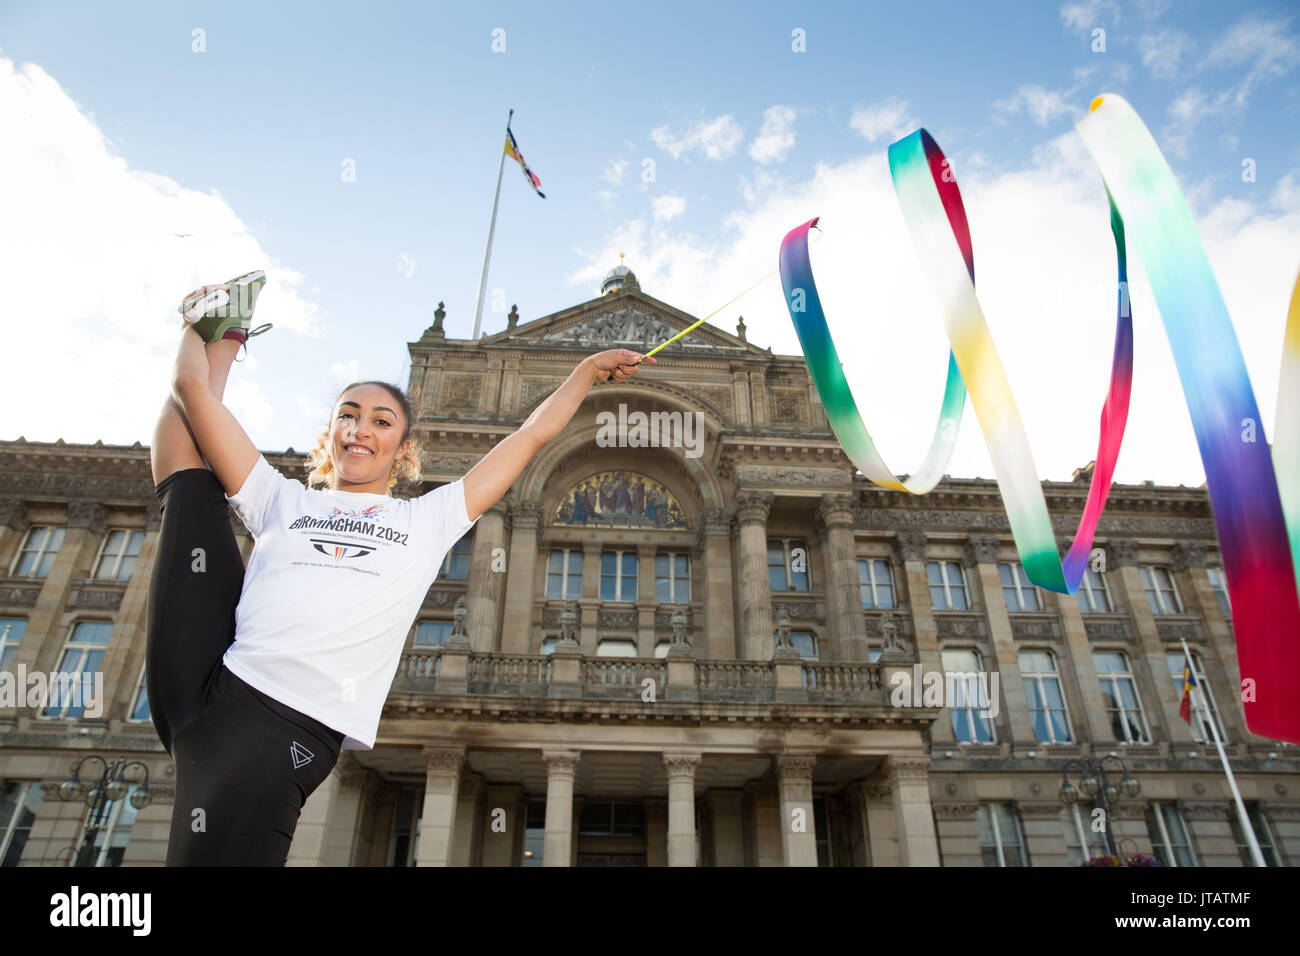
1256 510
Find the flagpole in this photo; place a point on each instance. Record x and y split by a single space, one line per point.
1243 818
487 256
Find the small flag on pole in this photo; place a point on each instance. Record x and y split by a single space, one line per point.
512 150
1189 681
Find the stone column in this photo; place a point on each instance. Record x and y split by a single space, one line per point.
848 625
328 827
441 794
713 540
504 823
794 783
517 635
680 769
982 558
873 804
561 768
756 597
908 779
1160 698
728 831
487 577
909 551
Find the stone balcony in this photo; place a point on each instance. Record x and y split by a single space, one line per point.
449 677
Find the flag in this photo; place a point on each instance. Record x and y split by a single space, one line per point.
1189 681
512 150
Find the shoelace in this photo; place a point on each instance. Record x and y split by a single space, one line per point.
248 335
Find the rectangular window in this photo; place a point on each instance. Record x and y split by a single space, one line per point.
618 576
111 840
1020 594
1200 731
404 840
140 706
455 563
1162 596
11 635
1220 585
433 632
1079 835
19 802
787 564
947 585
1094 593
117 555
672 578
1047 710
81 660
1001 841
1168 835
38 551
875 583
534 833
1263 837
564 574
970 704
1123 706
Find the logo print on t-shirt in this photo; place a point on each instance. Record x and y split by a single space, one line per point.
338 550
372 511
300 754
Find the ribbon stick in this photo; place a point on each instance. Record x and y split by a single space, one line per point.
1260 542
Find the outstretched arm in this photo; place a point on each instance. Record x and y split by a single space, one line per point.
221 439
492 477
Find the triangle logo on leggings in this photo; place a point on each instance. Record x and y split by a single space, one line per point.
300 754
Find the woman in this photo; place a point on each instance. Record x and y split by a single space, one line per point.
258 679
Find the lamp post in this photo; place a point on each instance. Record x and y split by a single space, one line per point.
1099 789
110 787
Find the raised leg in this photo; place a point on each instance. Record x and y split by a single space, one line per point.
174 447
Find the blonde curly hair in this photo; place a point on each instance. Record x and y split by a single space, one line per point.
406 465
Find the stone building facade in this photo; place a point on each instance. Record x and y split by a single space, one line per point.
677 652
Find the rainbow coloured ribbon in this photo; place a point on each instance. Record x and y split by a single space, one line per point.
1260 544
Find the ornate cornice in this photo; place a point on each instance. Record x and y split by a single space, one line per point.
980 550
681 766
87 514
1205 810
794 767
1121 553
910 545
561 763
13 514
955 811
753 505
906 769
1045 810
1187 554
444 760
836 511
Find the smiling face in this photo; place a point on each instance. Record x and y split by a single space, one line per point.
365 438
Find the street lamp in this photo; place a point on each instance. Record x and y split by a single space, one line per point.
1099 789
109 788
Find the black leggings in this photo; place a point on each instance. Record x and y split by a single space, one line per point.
245 762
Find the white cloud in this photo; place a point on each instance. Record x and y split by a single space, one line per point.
1041 105
1163 52
613 177
405 265
1085 15
1046 267
667 208
1267 46
717 138
887 118
95 269
776 137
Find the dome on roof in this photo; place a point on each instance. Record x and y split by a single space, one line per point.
617 277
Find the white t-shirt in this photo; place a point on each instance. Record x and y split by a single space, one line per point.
333 583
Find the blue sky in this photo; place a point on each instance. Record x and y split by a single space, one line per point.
243 146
